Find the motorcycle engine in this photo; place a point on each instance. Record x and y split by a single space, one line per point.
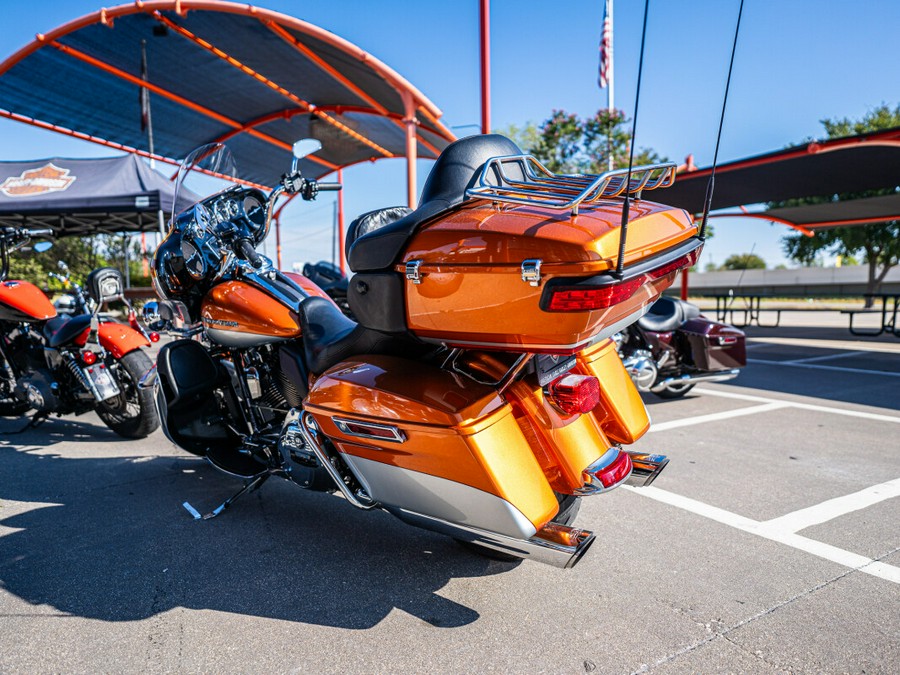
38 390
642 369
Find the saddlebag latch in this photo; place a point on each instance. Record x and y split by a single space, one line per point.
412 271
531 271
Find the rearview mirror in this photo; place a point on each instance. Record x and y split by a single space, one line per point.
42 246
306 146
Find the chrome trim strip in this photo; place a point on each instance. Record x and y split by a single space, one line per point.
397 436
541 547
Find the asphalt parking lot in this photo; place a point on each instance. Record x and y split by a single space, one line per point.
770 544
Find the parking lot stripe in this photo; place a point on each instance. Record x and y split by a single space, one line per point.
816 548
802 406
826 357
713 417
794 364
834 508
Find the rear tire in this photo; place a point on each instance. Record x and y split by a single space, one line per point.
131 414
568 509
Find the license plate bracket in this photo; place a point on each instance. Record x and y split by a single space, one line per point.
549 367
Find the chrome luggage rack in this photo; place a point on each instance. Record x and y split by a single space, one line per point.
563 192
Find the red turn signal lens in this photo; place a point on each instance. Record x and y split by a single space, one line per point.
600 297
617 471
684 261
575 394
154 337
88 357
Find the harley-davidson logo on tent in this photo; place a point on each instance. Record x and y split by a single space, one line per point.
49 178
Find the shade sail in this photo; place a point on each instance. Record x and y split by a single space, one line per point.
219 71
823 168
85 196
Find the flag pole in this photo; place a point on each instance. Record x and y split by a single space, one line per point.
610 92
147 122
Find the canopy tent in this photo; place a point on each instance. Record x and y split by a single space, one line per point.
85 196
819 168
220 71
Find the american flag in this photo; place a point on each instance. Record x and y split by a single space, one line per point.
605 48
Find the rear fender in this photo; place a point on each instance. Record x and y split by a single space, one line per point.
116 338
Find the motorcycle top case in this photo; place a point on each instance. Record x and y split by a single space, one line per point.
715 346
467 281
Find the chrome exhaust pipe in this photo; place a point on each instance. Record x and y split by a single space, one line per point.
554 544
719 376
645 468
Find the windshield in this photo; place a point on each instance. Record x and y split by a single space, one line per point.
207 170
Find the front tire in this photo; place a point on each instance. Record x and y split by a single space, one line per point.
131 413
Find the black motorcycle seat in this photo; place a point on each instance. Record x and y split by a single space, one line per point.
329 337
63 329
667 314
455 170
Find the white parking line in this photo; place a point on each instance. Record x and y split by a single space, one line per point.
802 406
825 357
773 533
834 508
714 417
794 364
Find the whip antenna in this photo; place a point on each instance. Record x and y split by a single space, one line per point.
712 176
623 229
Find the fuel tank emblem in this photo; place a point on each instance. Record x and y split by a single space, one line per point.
219 322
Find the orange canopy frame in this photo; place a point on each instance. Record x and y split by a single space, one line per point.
220 71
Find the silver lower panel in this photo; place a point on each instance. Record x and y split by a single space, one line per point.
431 496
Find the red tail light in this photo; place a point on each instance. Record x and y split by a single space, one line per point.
154 336
88 357
617 471
683 261
574 394
599 297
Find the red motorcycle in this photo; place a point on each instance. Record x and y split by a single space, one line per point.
58 364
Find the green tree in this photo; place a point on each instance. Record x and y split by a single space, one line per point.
878 243
567 143
744 261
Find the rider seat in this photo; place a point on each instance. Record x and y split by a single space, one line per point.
329 337
667 314
63 329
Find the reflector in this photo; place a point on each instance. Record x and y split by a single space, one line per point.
574 394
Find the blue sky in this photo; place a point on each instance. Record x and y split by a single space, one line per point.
798 61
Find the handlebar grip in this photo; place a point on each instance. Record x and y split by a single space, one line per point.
45 232
329 187
244 248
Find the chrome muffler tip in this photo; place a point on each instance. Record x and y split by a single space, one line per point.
646 468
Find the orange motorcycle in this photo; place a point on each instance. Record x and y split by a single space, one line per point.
477 394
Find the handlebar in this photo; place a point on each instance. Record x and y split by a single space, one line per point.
46 232
330 187
244 249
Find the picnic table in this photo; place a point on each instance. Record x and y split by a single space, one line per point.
890 302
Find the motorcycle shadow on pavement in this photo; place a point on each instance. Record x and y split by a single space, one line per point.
107 538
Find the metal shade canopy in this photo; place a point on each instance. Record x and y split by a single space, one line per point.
821 168
219 71
85 196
